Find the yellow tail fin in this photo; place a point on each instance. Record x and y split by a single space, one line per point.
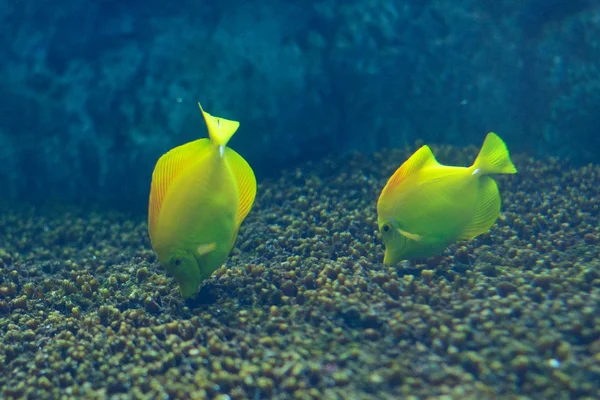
220 130
493 157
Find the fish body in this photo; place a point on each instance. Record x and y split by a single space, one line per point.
426 206
200 194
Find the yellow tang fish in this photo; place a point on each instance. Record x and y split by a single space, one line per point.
426 206
200 194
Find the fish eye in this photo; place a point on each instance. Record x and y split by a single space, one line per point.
178 261
386 227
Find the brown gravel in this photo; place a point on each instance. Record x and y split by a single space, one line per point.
304 308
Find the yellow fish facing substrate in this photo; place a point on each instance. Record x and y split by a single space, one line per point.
200 194
426 206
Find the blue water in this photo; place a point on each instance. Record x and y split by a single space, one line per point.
95 92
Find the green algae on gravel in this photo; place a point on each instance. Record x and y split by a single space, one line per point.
304 307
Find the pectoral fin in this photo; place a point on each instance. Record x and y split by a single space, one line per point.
206 248
411 236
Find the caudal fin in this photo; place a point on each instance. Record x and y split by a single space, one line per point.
220 130
493 157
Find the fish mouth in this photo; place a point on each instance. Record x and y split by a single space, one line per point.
189 278
389 258
188 288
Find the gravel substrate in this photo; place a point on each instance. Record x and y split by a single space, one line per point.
304 307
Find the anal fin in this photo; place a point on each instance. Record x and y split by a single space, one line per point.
246 182
487 211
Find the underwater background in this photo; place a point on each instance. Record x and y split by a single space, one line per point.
332 98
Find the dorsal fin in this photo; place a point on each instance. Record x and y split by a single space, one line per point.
167 168
220 130
246 182
420 159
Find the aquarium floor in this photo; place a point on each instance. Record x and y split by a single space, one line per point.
304 307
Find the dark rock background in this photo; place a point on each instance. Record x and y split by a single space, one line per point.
92 93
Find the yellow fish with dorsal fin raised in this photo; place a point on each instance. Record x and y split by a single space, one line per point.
426 206
200 194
